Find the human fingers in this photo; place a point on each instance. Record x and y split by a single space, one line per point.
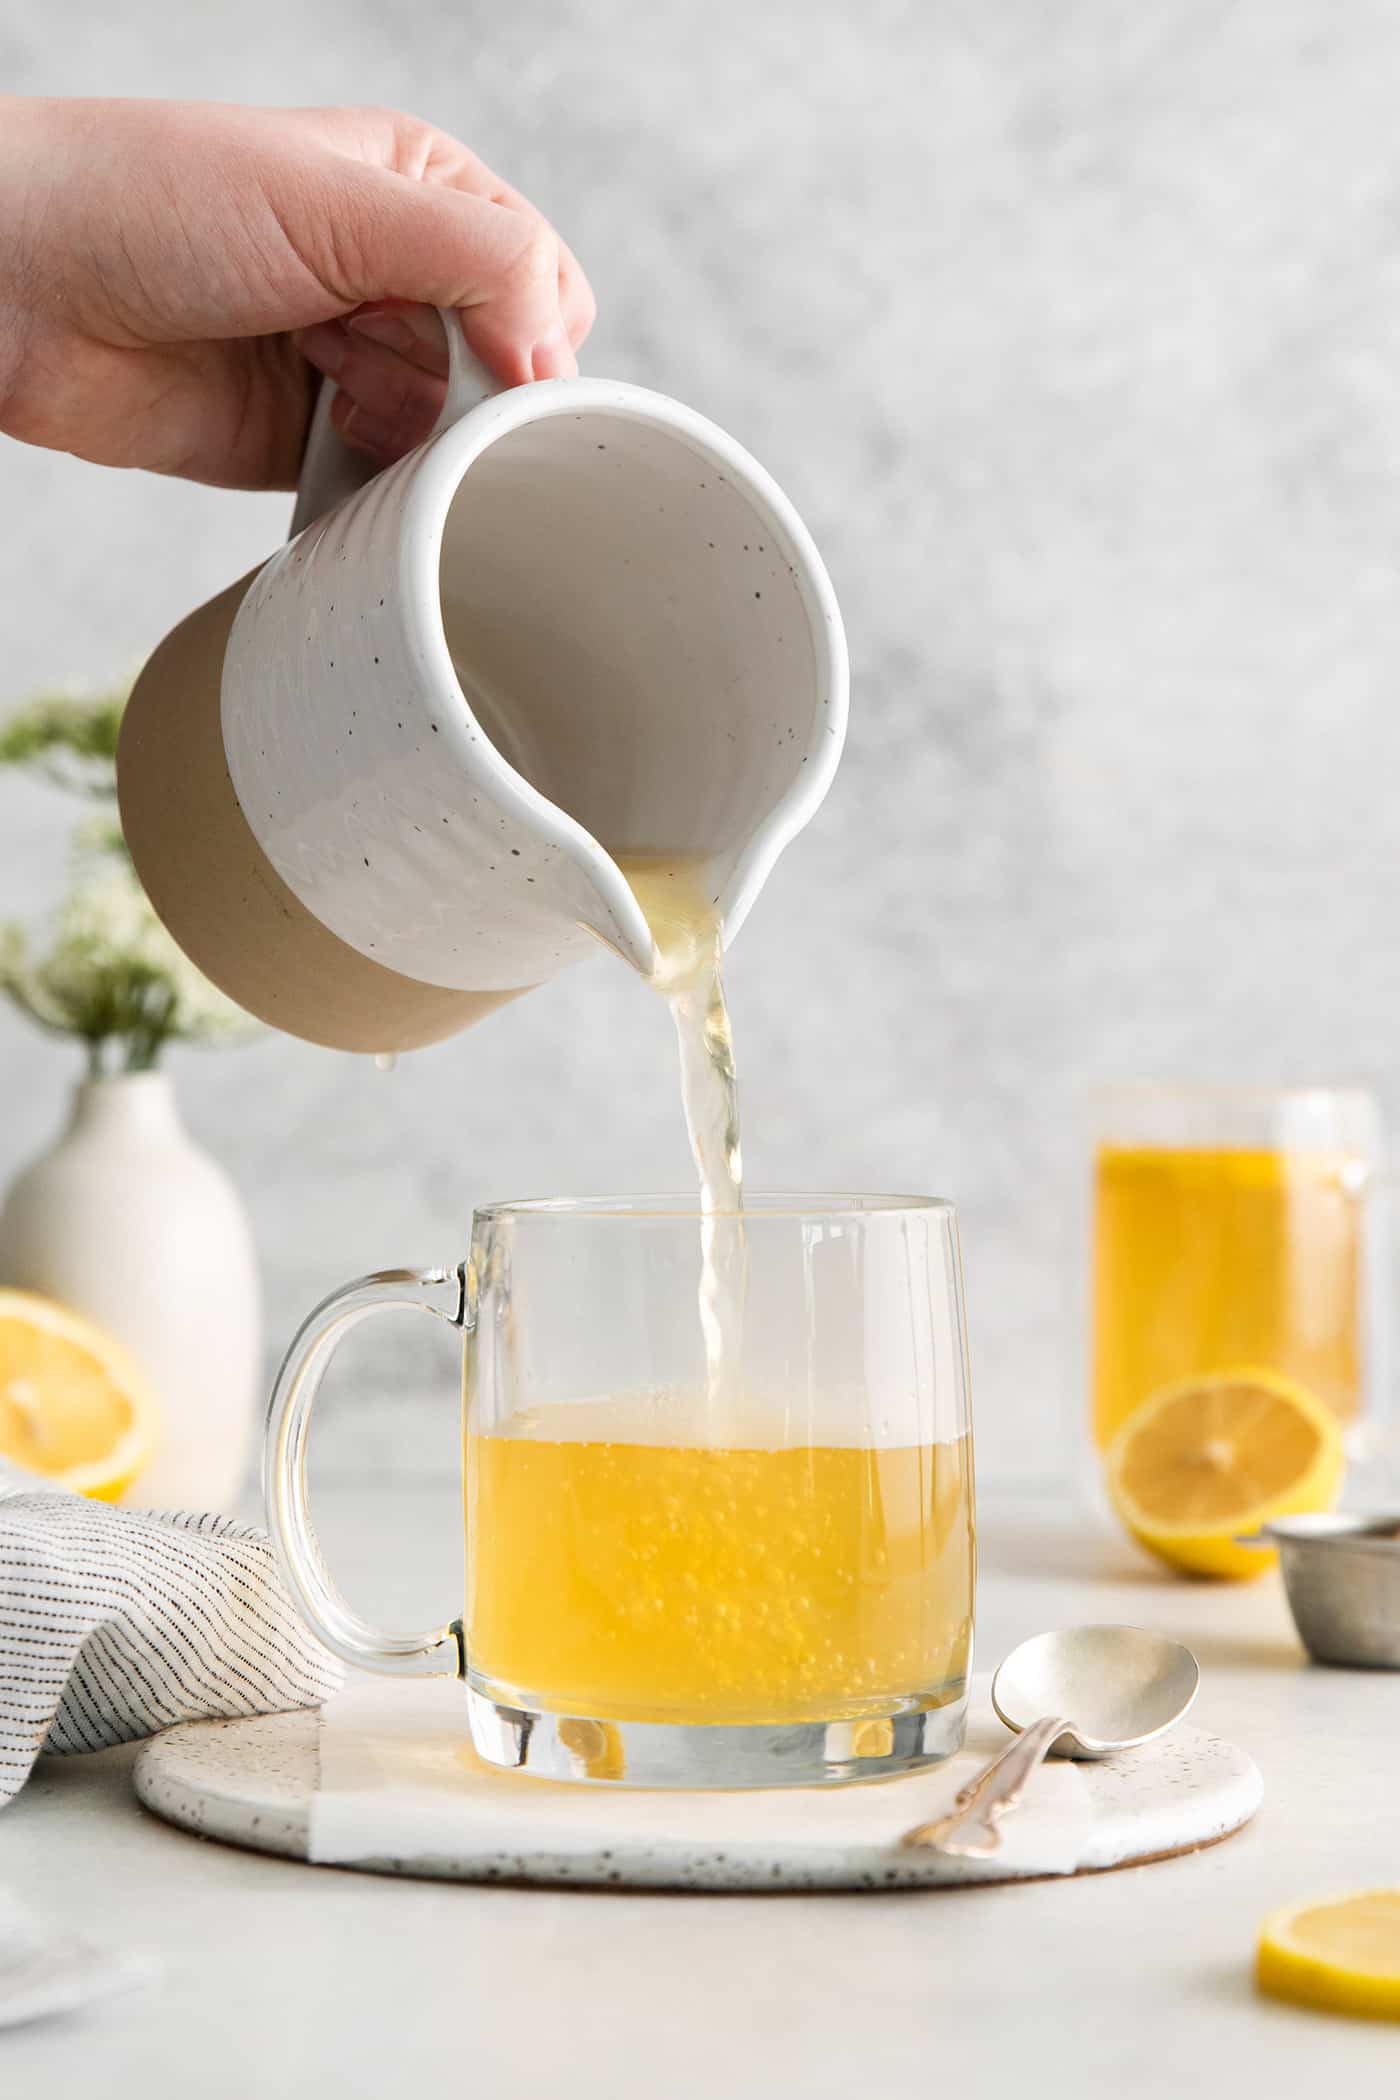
391 377
384 236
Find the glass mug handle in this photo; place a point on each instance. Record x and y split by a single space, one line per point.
438 1652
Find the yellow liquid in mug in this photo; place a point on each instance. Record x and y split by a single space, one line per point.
621 1577
1219 1260
665 1582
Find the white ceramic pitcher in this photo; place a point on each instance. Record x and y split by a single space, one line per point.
376 790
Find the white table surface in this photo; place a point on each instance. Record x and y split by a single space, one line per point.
285 1979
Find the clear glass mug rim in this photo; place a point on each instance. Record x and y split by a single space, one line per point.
1230 1094
1188 1113
758 1207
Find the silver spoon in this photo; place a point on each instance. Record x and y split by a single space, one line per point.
1122 1685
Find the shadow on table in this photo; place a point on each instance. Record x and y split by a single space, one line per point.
1228 1625
1089 1553
1239 1649
1233 1984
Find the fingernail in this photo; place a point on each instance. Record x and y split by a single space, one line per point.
325 347
389 329
553 357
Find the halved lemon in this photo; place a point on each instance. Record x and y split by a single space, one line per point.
73 1405
1343 1956
1202 1462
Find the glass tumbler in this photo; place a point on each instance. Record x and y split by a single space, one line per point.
675 1578
1234 1229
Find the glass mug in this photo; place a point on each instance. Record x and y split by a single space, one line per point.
768 1584
1236 1228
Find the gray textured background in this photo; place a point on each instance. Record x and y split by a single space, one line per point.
1075 334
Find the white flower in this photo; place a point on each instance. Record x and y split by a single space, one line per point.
113 970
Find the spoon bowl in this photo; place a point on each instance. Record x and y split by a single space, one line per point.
1121 1684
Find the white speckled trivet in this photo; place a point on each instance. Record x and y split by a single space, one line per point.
382 1781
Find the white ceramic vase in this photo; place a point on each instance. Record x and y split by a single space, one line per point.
129 1222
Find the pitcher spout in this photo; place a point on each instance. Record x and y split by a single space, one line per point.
394 779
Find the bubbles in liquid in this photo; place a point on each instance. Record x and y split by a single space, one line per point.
802 1582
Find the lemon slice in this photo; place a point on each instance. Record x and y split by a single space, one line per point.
1342 1956
73 1405
1216 1456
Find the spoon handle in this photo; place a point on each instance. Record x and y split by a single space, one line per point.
970 1829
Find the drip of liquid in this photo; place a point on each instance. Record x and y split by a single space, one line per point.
685 925
385 1060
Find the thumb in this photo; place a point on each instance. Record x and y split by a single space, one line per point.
386 236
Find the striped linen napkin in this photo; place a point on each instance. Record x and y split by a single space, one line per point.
116 1623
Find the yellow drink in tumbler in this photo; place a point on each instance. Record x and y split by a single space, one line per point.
1211 1260
648 1581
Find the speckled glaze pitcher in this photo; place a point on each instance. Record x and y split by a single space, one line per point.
375 790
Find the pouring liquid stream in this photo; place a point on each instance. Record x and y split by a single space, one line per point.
612 1539
685 926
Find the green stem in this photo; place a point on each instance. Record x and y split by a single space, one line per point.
143 1051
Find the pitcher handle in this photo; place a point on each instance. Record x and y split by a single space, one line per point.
439 1651
330 470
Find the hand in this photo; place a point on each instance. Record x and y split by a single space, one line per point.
169 272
